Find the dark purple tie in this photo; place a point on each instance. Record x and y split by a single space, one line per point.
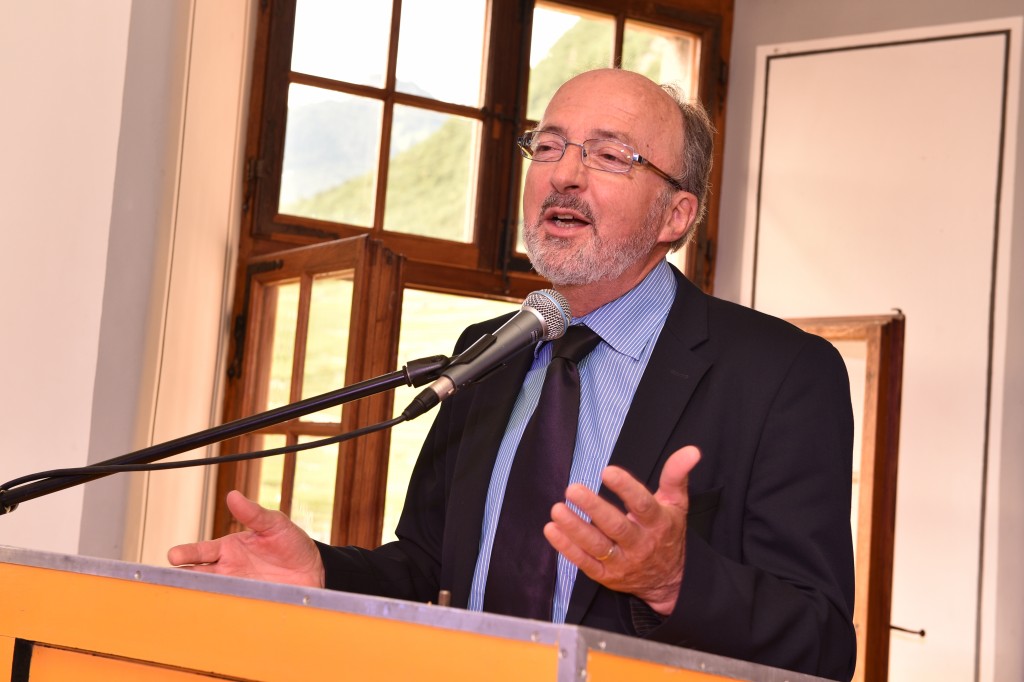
521 577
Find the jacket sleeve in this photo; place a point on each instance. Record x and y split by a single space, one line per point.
410 567
785 597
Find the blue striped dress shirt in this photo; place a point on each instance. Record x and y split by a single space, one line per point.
609 376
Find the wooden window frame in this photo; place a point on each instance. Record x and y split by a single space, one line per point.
441 265
362 472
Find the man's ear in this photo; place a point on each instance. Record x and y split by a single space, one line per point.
681 214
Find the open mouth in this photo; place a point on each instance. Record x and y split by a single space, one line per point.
568 220
566 214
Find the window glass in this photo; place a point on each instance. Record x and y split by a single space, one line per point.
313 493
330 309
280 313
431 324
662 54
432 177
271 469
441 50
345 40
331 147
520 244
564 42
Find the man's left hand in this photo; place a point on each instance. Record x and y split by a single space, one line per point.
641 552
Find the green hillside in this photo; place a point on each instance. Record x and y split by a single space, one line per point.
430 182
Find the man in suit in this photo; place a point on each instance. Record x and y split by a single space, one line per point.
709 496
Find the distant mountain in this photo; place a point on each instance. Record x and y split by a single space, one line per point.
587 45
330 142
430 183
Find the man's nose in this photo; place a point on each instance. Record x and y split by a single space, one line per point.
570 173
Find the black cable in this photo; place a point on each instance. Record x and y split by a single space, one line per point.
259 454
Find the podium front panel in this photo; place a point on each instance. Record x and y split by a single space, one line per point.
113 620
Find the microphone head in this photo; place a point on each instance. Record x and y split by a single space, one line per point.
553 310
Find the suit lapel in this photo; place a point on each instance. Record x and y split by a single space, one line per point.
669 381
672 375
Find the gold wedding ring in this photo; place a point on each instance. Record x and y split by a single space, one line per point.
607 555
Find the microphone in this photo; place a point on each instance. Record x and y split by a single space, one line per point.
544 316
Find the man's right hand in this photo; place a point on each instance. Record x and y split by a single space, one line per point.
272 548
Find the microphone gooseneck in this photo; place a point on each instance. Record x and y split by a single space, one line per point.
544 316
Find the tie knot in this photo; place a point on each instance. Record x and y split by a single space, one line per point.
576 343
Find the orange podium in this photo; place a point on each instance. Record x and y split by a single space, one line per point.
79 618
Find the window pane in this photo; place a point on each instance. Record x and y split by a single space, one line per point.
662 54
331 148
330 309
520 244
280 310
441 53
565 42
432 177
271 469
431 323
327 44
313 495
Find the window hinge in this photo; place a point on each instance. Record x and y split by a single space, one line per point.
709 252
254 170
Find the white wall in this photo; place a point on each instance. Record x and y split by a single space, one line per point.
62 69
984 557
140 221
190 300
120 192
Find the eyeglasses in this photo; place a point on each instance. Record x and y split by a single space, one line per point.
605 155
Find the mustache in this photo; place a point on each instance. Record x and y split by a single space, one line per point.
570 202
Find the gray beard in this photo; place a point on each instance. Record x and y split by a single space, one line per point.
564 262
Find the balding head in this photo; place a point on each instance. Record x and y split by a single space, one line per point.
675 134
637 109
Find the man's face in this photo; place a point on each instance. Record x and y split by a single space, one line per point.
584 225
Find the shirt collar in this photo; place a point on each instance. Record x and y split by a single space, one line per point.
628 323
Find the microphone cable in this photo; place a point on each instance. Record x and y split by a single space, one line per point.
182 464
